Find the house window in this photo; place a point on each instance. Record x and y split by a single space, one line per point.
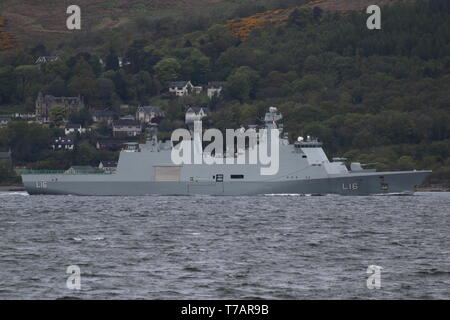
237 176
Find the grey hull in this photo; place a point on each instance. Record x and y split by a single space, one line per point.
350 184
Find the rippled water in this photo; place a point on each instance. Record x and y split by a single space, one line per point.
270 247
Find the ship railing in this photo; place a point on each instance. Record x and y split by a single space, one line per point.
67 172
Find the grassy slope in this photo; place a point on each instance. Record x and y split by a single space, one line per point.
29 19
33 20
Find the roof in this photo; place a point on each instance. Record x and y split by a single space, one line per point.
103 113
150 109
126 122
197 109
82 168
73 126
5 155
128 117
216 84
179 84
111 142
47 59
109 164
64 140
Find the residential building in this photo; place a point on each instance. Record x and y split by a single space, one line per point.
78 169
5 156
149 113
46 59
128 117
183 88
215 88
108 166
24 116
103 116
63 143
73 128
4 121
110 145
196 114
126 128
45 103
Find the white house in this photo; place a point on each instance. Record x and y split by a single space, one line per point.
126 128
73 128
196 114
63 143
46 59
108 166
215 88
4 121
148 113
184 88
103 115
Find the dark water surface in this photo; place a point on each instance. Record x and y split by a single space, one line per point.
270 247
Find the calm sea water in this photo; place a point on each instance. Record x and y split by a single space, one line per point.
269 247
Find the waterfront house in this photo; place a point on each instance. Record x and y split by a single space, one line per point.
149 113
73 128
215 88
183 88
63 143
4 121
196 114
44 104
80 169
110 145
108 166
46 59
103 116
126 128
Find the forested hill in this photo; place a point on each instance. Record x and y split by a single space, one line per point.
31 20
377 96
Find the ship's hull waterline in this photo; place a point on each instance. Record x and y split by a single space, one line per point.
351 184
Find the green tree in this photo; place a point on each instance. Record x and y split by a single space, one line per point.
405 163
241 85
26 79
58 115
167 70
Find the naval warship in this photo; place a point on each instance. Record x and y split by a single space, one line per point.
148 169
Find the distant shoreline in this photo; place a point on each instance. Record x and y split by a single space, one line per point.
12 188
435 188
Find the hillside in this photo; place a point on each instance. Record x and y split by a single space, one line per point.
30 20
7 40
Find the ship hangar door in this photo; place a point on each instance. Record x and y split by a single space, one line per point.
167 173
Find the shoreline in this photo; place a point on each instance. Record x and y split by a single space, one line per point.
18 188
12 188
